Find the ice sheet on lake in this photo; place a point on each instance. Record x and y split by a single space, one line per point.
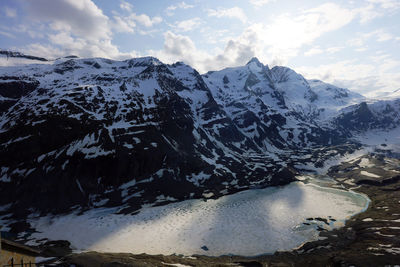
247 223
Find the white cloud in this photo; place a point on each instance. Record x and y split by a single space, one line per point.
126 6
332 50
65 27
317 50
377 8
313 51
259 3
188 25
182 48
73 27
83 18
65 45
346 70
13 61
236 53
234 12
361 49
216 36
182 5
389 64
10 12
177 48
128 21
357 41
66 40
34 31
178 45
47 51
276 41
121 24
379 35
368 13
7 34
370 79
146 20
325 18
383 36
386 4
281 38
385 62
148 32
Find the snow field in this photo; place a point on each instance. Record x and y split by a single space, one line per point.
365 173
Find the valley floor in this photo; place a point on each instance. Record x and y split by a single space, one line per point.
263 220
371 238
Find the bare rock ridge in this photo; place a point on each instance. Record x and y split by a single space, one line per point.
97 132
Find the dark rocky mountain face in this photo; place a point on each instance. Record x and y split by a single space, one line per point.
363 117
279 107
95 132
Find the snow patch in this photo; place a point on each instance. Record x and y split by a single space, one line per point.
365 173
365 163
367 220
175 264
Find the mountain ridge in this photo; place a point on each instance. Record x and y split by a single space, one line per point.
97 132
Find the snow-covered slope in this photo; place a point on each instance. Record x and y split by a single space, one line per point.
279 106
97 132
330 99
371 115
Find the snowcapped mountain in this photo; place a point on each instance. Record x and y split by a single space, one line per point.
279 106
371 115
97 132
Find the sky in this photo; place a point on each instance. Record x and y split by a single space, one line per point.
351 44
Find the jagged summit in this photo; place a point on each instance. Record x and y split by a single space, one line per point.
255 64
148 60
254 60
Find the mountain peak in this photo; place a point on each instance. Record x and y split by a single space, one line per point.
256 61
144 61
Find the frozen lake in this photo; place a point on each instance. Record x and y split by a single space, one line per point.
247 223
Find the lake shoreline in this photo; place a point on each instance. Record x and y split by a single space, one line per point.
367 239
250 223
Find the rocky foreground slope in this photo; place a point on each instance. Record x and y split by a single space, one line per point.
97 132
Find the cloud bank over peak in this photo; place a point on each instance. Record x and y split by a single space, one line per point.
320 39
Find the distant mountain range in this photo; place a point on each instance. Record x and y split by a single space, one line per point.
96 132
